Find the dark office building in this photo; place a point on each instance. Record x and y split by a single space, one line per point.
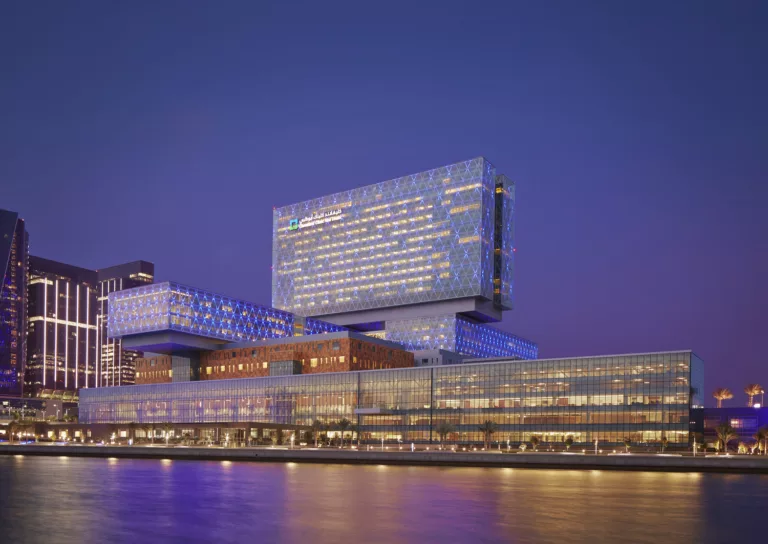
117 366
14 250
745 420
62 329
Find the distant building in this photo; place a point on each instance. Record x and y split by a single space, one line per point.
116 365
67 306
424 260
745 420
14 261
62 329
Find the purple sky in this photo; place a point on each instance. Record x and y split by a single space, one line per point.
637 135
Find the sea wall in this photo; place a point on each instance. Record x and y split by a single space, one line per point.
739 464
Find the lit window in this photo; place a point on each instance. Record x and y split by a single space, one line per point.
313 362
223 368
342 358
208 371
264 364
240 366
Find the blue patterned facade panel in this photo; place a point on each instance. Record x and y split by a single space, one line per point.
419 238
454 333
479 340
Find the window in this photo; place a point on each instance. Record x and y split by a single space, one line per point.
223 368
265 364
745 423
313 362
208 371
342 358
335 346
170 373
253 353
240 366
234 354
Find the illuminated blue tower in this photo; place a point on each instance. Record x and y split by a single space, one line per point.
426 260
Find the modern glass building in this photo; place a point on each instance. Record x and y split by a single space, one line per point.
420 238
117 365
14 264
68 348
643 397
406 258
173 307
62 329
458 334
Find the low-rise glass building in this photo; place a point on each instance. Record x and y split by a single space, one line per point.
643 397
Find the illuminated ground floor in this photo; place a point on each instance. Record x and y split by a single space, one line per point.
644 398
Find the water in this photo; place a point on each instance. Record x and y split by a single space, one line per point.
51 500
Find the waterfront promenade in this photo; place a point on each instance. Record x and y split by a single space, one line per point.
572 461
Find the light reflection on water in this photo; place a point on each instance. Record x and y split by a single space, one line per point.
102 500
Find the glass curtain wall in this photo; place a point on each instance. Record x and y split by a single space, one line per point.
641 397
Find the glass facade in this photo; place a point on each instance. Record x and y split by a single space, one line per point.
117 365
62 329
453 333
170 306
643 397
14 263
420 238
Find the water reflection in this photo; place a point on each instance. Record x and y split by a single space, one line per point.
88 500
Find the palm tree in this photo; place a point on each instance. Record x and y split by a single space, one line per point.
627 443
354 429
149 431
568 442
764 432
12 427
759 437
343 424
725 433
721 394
487 428
167 428
317 426
751 390
535 442
132 431
443 429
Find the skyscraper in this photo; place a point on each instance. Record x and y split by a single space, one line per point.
14 250
425 260
117 366
62 329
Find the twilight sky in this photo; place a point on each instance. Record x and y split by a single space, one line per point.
637 135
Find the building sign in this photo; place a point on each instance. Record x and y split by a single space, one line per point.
317 218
